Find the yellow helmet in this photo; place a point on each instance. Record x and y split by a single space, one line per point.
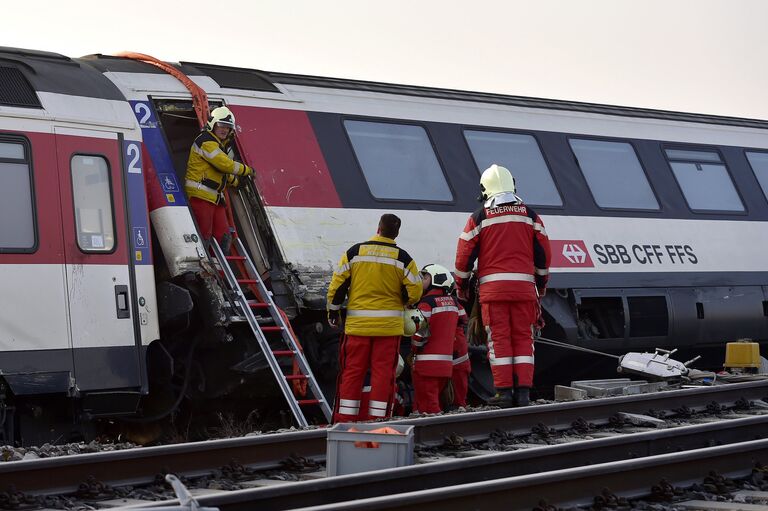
495 180
221 115
413 320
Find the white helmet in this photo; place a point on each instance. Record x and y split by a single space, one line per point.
441 276
495 180
221 115
413 320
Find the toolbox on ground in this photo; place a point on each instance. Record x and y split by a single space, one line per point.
354 448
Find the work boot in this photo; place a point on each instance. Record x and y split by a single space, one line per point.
522 396
504 398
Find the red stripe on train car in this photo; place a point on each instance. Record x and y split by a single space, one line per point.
290 167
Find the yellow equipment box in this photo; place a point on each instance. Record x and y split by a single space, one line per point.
742 354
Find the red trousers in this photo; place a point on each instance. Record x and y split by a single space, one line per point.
211 218
510 341
366 399
426 391
357 355
460 378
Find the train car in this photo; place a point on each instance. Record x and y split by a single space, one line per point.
657 222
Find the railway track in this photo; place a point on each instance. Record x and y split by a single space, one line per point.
575 486
499 429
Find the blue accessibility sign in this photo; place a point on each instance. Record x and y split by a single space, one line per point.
169 183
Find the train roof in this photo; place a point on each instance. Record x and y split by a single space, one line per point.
52 72
25 72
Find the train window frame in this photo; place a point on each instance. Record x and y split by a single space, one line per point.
552 175
111 203
759 183
658 211
400 122
703 148
28 160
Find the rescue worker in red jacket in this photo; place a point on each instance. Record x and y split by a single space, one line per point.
380 278
432 345
510 244
210 169
461 364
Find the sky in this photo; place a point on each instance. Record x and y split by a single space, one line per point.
702 56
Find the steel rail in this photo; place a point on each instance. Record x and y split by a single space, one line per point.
64 474
573 486
488 467
476 426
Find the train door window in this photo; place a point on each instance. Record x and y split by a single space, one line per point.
398 161
614 174
17 230
522 156
759 163
704 180
92 192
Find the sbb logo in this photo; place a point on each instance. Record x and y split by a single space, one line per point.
570 254
574 253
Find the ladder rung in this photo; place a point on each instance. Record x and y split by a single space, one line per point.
257 305
283 353
296 377
271 328
309 401
247 281
234 258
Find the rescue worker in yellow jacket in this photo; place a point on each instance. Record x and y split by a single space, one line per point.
380 279
210 169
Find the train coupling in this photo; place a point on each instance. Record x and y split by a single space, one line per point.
657 365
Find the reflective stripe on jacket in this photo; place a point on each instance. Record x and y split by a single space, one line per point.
512 251
210 168
435 356
379 278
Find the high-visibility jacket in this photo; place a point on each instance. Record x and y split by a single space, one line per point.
434 348
380 278
512 251
210 168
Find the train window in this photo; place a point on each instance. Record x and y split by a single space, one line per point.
92 193
16 199
522 156
759 163
398 161
614 174
681 154
704 180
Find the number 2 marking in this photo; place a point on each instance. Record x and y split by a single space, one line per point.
132 150
140 108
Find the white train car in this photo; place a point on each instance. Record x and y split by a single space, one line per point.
657 220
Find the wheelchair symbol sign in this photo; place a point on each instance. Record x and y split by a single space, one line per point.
140 237
169 183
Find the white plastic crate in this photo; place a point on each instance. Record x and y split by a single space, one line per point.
350 452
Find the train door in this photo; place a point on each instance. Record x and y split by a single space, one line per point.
105 341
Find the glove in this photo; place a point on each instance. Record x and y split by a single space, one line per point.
461 293
334 318
248 171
